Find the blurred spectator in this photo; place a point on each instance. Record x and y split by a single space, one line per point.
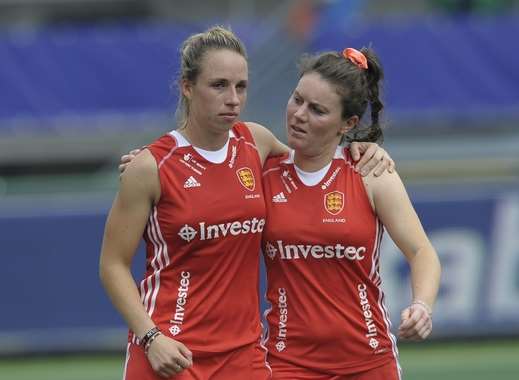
307 17
301 19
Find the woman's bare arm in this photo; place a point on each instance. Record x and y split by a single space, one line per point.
139 190
393 206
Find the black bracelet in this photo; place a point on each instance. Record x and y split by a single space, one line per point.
148 335
150 341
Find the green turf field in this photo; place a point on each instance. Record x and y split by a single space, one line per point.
445 361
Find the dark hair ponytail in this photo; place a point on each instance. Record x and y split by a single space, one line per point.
374 75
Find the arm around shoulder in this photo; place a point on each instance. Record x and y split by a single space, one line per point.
266 142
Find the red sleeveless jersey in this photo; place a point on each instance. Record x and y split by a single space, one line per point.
321 249
202 244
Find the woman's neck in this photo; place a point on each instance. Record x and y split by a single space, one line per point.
314 162
204 138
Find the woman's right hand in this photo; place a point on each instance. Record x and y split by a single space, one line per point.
168 356
127 158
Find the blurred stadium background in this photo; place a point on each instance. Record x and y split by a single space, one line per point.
84 81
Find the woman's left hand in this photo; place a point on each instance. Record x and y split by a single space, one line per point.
371 158
416 322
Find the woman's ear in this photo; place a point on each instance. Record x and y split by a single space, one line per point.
349 124
186 88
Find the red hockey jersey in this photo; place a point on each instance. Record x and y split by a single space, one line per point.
202 244
321 249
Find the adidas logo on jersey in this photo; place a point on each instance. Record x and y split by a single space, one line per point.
191 182
279 198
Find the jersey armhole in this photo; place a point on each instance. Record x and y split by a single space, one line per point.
242 130
349 161
161 145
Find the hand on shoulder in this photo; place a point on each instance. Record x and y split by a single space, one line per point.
127 158
371 157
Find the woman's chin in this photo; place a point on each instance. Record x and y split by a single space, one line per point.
295 143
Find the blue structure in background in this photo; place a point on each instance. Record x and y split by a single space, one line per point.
52 268
441 67
88 70
435 68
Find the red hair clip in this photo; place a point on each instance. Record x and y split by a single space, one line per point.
356 57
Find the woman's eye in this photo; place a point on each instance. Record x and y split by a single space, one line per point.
317 110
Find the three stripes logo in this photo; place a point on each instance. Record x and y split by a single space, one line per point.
279 198
191 182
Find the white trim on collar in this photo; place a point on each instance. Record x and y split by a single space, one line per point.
214 156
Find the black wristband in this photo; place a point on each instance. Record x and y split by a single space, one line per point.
148 335
150 341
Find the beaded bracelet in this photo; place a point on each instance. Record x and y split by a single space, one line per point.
144 340
425 306
150 341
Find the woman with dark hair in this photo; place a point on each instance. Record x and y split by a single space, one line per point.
321 242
